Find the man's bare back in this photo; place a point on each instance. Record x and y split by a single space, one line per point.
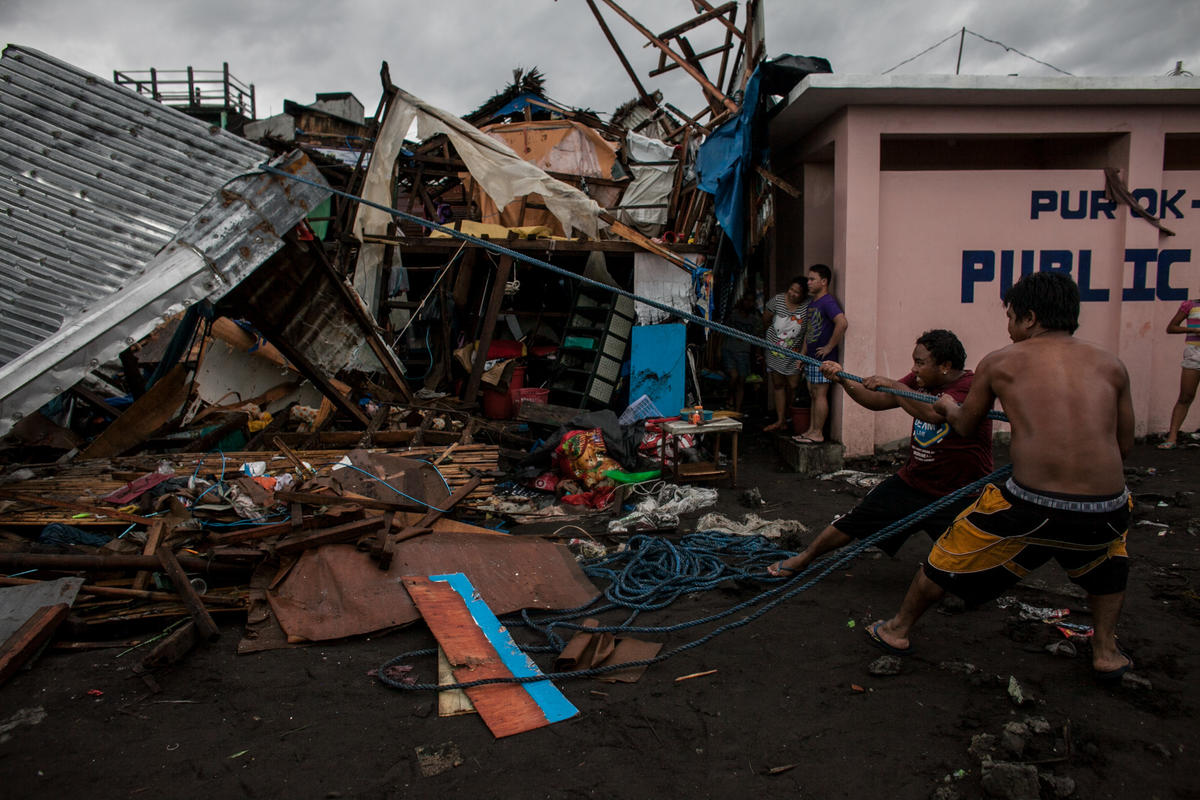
1069 406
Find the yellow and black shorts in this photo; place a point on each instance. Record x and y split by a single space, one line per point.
1011 531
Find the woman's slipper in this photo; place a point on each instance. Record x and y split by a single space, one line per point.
1167 445
877 640
802 438
774 426
778 570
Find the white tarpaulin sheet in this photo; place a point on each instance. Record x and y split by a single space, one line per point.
658 279
502 173
652 183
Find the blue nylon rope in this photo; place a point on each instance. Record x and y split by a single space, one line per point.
487 244
767 600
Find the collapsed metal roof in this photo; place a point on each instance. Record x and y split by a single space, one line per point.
115 212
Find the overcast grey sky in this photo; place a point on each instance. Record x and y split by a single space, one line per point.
457 53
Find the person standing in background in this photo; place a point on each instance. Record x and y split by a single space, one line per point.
826 329
784 317
1187 322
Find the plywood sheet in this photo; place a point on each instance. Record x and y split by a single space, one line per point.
478 647
336 590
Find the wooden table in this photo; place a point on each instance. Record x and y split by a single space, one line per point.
703 470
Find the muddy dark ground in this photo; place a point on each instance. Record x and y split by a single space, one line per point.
791 710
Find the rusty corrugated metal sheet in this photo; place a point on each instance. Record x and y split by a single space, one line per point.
117 212
94 181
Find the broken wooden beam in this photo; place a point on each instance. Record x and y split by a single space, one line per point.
72 505
683 62
314 499
173 648
29 638
424 525
121 593
641 90
195 606
88 563
339 533
495 297
774 179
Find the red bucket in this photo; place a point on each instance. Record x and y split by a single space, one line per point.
499 404
529 395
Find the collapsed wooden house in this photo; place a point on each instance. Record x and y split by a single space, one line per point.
182 303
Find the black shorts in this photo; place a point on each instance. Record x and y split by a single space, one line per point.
1009 532
891 501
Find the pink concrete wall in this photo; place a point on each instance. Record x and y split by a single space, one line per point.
899 241
931 222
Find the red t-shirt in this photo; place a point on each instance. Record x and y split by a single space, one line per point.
940 460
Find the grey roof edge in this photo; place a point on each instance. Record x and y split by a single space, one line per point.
236 231
1156 89
819 96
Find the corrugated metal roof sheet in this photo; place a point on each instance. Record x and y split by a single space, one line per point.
94 181
117 212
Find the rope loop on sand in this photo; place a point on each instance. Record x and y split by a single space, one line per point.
652 572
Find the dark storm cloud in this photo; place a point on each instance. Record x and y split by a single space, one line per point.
456 53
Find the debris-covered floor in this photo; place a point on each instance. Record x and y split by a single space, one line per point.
788 704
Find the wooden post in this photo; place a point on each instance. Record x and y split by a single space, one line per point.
495 297
688 68
617 48
153 539
204 623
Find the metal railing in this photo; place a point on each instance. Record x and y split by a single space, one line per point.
192 89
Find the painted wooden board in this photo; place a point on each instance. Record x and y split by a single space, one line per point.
552 702
467 641
657 365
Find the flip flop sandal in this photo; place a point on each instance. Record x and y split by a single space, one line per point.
873 635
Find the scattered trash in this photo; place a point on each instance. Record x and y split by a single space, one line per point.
865 480
750 525
885 665
1134 681
436 759
752 498
1028 612
1063 648
1016 692
1072 630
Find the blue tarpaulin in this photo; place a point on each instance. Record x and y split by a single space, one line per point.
722 163
728 154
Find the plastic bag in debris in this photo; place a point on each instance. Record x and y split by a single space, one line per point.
1028 612
867 480
751 525
582 455
671 498
640 521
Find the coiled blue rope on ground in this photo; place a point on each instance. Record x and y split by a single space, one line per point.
765 601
